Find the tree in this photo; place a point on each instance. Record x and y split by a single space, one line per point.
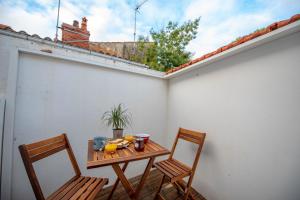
168 47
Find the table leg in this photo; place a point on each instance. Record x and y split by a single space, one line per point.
123 180
117 182
144 177
133 194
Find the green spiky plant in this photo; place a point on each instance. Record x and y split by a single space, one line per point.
118 118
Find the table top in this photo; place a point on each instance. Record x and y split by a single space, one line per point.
100 158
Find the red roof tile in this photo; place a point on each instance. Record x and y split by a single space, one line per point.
5 27
91 47
243 39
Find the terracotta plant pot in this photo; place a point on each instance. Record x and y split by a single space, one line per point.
117 133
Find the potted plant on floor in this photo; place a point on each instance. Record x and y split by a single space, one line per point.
118 118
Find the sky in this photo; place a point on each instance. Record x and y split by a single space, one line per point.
222 21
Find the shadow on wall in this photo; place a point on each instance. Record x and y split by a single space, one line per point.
208 160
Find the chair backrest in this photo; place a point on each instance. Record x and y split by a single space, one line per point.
31 153
190 136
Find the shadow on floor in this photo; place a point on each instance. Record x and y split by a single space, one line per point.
148 191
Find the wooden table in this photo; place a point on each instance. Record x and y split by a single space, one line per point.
125 155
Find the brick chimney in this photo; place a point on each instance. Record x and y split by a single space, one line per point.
74 35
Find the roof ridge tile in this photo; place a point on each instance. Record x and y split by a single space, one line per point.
241 40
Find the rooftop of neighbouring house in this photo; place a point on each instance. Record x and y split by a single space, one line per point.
72 35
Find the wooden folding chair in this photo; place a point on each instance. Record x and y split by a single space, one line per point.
78 187
175 170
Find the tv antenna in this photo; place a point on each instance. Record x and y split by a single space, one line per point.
136 10
57 21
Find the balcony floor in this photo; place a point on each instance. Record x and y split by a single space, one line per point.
149 190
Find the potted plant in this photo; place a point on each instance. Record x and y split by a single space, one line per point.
118 118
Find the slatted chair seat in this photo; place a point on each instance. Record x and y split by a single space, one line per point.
83 188
173 169
77 188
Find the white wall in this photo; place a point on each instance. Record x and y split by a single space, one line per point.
3 70
249 105
2 111
56 96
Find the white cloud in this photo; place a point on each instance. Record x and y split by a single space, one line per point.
212 36
224 21
113 20
208 8
36 22
104 23
110 24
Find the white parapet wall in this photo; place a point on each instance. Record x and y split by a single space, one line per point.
67 91
249 105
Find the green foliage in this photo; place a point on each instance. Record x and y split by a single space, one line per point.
257 30
117 117
168 47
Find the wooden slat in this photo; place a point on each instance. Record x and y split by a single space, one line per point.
63 187
62 193
90 150
146 149
196 134
97 189
151 144
159 148
127 152
169 169
191 136
45 142
180 164
183 172
163 170
80 188
115 155
177 169
172 170
190 139
131 151
151 149
83 188
124 155
73 190
45 148
100 155
95 155
91 188
47 153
